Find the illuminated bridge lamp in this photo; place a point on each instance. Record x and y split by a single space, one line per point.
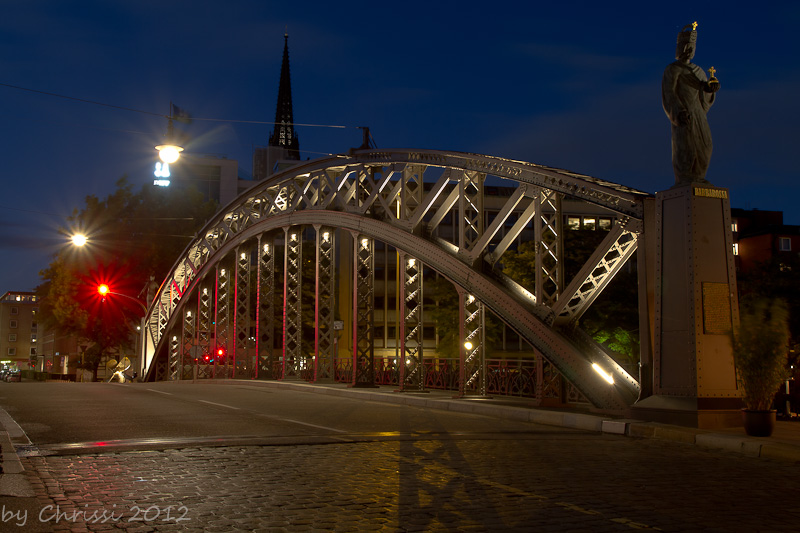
606 376
468 345
79 239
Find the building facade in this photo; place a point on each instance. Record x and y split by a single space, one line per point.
761 236
19 329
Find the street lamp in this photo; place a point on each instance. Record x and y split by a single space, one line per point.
104 290
78 239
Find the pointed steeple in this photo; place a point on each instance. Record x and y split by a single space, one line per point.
284 134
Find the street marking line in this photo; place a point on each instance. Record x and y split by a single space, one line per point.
160 392
219 404
311 425
326 428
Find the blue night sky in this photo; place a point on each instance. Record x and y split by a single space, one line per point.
568 84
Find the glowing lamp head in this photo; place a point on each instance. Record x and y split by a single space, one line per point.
468 345
103 289
169 153
79 239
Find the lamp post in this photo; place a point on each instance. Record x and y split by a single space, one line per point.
104 290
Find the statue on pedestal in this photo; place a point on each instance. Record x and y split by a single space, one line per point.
687 95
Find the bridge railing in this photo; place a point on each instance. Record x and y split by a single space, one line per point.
525 378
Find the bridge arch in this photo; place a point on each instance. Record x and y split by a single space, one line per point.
389 196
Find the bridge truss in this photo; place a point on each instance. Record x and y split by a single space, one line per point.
233 304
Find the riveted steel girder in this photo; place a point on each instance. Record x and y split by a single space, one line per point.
472 349
222 368
324 308
293 360
265 337
368 191
363 311
240 358
607 260
412 368
205 324
187 345
174 357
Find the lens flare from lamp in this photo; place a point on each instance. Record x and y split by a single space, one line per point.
79 239
169 153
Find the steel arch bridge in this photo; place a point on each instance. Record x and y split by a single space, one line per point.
238 287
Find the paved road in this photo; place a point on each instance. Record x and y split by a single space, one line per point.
312 462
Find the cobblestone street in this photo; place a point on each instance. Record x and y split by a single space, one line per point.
557 482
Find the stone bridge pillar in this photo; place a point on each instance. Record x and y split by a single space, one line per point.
696 305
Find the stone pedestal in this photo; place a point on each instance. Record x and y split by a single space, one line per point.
694 380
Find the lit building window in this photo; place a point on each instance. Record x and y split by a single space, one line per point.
734 226
574 222
33 337
604 224
589 223
736 248
785 244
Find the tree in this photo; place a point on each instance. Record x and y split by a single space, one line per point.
131 237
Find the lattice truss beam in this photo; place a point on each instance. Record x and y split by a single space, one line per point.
205 323
324 344
412 367
363 311
389 185
265 340
447 208
293 357
222 322
473 347
241 318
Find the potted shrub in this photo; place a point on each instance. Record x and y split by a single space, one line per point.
760 352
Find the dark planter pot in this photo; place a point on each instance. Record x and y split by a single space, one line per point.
759 423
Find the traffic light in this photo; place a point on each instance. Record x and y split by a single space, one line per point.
103 289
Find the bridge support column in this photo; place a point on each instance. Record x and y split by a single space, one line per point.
293 362
241 358
363 311
472 349
411 366
265 318
324 307
205 324
222 322
694 379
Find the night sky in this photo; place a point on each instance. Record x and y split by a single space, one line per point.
568 84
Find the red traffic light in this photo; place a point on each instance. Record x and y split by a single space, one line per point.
103 289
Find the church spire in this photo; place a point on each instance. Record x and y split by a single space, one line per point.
284 134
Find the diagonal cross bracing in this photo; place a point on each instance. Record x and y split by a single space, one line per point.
380 195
